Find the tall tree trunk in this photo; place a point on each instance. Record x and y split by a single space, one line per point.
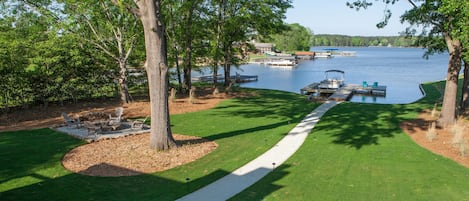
227 66
170 35
178 69
123 82
216 62
161 137
215 74
448 110
465 88
188 47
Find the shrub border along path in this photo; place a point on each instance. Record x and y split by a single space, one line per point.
250 173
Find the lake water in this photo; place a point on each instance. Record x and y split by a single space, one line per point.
400 69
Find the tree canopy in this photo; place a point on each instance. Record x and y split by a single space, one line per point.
294 38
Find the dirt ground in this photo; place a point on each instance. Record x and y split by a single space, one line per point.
442 145
132 155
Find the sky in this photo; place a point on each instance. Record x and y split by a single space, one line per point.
334 17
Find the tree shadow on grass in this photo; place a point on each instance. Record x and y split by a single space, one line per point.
358 124
23 151
142 187
270 104
265 186
245 131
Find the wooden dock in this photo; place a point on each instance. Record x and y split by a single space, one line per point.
314 88
346 92
234 78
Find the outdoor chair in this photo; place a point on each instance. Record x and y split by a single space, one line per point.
119 112
138 124
71 122
92 128
114 125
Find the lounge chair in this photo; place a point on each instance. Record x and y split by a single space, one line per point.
71 122
118 117
139 124
92 128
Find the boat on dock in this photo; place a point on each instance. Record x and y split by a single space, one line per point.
326 55
333 79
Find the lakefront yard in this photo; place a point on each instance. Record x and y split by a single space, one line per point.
356 152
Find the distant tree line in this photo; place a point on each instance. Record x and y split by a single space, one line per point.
343 40
299 38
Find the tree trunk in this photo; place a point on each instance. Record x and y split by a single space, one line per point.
123 82
187 84
215 74
227 66
465 88
220 18
188 47
178 69
161 137
448 110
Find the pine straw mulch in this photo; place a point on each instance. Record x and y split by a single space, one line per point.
125 156
442 145
132 155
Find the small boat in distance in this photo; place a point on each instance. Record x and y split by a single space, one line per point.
334 79
283 62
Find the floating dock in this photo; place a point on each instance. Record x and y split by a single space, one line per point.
235 78
345 92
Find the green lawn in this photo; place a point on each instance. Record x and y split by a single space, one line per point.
358 152
30 167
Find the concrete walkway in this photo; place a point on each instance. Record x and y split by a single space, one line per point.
253 171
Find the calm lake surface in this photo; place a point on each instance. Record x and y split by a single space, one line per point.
400 69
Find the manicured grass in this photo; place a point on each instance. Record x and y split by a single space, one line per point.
30 167
358 152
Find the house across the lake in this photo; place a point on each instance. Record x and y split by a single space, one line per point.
264 47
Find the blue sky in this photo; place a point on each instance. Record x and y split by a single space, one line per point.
334 17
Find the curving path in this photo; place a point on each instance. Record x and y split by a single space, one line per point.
253 171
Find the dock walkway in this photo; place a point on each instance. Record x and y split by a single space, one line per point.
344 93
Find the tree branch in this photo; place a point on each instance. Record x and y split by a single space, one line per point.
412 3
95 33
102 48
129 51
129 8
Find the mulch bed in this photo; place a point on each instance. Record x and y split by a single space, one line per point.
132 155
442 144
